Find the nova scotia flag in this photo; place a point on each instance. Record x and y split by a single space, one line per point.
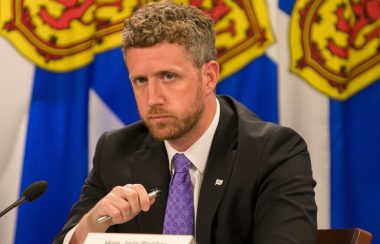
51 119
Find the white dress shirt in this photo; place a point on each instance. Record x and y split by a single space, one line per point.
196 153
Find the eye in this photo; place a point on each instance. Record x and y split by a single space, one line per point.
169 76
139 80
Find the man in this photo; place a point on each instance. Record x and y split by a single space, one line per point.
251 181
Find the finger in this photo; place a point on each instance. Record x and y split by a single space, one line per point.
104 208
131 195
143 198
114 205
118 201
151 201
115 214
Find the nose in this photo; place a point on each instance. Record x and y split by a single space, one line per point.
155 96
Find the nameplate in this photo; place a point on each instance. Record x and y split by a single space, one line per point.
118 238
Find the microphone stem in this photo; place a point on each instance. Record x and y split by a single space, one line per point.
15 204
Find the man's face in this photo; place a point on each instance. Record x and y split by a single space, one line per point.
169 90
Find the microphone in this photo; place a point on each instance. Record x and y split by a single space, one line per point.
31 193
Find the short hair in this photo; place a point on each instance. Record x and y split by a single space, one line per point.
172 22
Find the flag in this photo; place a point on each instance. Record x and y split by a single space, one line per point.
334 46
73 80
58 99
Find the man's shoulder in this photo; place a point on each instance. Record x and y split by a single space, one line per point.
250 124
240 110
244 115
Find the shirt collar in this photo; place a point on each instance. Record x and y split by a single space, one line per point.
199 151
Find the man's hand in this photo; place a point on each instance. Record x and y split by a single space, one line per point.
122 204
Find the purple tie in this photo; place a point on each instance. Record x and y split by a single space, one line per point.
179 214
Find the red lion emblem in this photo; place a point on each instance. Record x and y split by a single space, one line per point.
339 44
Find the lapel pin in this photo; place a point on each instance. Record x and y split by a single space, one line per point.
218 182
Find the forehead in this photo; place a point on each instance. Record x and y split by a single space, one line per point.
158 54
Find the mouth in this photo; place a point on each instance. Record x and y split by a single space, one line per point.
158 118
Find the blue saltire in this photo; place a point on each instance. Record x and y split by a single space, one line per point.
56 147
55 151
355 167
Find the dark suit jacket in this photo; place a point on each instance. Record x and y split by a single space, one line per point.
267 192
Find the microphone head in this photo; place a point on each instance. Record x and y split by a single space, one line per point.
35 190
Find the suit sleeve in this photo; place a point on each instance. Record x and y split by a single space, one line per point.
285 210
92 191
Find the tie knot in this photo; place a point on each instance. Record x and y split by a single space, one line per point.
181 163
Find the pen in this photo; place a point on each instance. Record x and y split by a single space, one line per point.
152 194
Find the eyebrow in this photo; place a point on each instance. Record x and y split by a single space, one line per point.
159 72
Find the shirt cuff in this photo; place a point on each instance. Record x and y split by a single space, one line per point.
69 235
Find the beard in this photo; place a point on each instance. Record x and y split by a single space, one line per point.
176 126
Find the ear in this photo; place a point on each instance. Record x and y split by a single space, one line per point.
211 76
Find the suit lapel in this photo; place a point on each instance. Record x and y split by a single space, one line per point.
151 169
217 173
